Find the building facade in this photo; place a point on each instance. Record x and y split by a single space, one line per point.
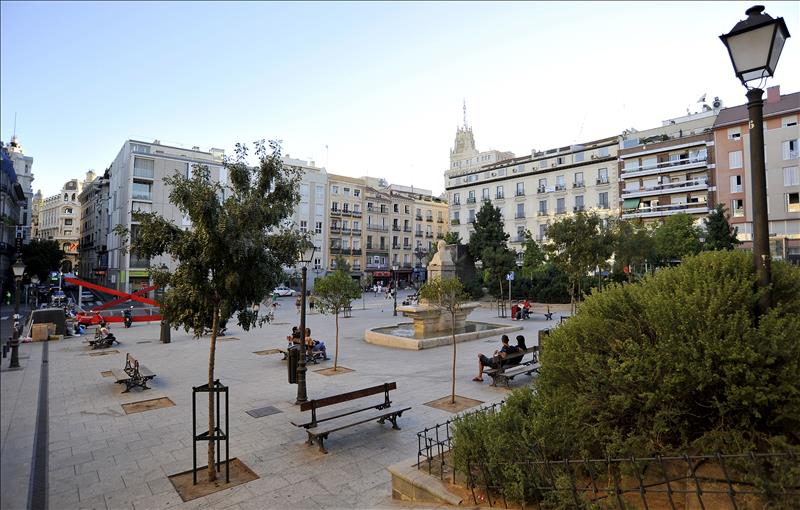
93 249
59 220
669 169
136 184
12 197
23 166
732 147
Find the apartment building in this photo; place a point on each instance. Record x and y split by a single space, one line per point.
94 220
669 169
376 234
732 147
59 220
534 191
136 183
311 214
11 196
346 196
23 166
36 208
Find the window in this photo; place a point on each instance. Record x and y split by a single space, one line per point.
560 160
67 221
735 159
561 183
334 206
578 180
485 194
789 121
542 207
356 226
396 208
346 191
407 209
790 149
736 183
520 189
579 156
472 216
602 200
143 167
543 183
793 202
303 226
735 133
737 207
456 216
471 197
579 203
456 199
141 149
141 191
318 227
791 177
602 176
68 210
560 206
542 232
520 211
500 193
602 152
356 192
335 190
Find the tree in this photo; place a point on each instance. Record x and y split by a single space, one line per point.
720 235
533 257
341 263
497 263
231 256
452 238
41 257
676 238
577 245
448 295
489 231
334 293
633 245
366 282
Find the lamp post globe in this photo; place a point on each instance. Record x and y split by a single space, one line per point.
754 46
19 269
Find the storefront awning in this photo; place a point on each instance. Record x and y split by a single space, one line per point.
631 203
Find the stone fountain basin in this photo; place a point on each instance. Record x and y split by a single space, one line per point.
411 339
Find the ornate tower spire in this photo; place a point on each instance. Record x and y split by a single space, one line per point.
465 113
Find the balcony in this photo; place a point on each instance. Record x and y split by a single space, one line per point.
418 217
578 208
371 209
355 232
356 214
561 187
428 218
455 221
456 202
139 263
336 249
519 216
345 212
439 236
406 246
602 180
336 228
406 229
520 193
540 189
683 164
602 205
429 235
396 228
396 246
418 233
665 210
345 230
562 210
499 196
439 220
356 251
471 200
665 189
377 266
336 212
542 212
518 239
378 228
578 184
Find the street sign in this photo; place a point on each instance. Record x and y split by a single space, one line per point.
510 276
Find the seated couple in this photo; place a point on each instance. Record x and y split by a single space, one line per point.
499 358
314 345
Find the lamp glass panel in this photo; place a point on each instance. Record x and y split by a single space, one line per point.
777 47
750 51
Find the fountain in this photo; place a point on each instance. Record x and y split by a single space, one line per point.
430 327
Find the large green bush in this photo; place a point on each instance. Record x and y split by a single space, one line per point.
675 364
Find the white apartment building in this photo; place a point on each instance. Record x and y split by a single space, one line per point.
23 166
59 220
93 264
136 183
311 214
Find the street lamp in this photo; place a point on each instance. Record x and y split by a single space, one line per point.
394 270
301 365
755 46
19 269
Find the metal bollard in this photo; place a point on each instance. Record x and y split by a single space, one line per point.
14 353
165 333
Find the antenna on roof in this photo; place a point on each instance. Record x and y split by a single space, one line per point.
465 113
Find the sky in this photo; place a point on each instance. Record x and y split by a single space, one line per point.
361 88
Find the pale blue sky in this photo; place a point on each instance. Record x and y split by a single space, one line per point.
380 83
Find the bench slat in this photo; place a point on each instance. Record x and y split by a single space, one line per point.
120 375
345 397
321 431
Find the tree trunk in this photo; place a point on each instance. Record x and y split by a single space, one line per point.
212 471
336 352
453 332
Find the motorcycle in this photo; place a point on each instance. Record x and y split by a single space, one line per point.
128 318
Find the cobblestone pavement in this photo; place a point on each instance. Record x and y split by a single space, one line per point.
100 457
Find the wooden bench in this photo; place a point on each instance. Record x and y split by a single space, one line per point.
133 374
347 311
512 367
314 357
320 427
100 342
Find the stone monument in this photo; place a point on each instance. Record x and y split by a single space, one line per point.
442 265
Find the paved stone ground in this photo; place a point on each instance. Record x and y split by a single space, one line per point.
99 457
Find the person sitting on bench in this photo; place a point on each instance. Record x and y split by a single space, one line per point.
496 361
315 345
521 343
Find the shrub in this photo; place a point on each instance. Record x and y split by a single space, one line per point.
675 364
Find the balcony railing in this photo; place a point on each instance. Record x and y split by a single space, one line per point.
345 212
356 214
519 216
602 180
471 200
356 251
439 236
518 239
345 230
336 212
602 205
418 217
378 228
377 266
395 246
499 196
540 189
520 193
439 220
542 212
406 229
355 232
561 187
644 170
429 234
336 228
670 187
418 233
578 184
396 228
561 211
665 210
455 221
578 208
456 202
428 218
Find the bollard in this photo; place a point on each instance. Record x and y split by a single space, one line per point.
165 334
14 353
293 358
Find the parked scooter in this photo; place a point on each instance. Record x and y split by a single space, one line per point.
128 317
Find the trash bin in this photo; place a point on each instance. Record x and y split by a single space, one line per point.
165 338
293 358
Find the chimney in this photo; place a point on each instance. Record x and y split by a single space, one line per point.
774 94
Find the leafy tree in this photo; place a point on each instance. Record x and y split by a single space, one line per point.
633 245
41 257
489 231
577 245
233 254
533 257
497 263
676 238
334 293
452 238
720 235
448 295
